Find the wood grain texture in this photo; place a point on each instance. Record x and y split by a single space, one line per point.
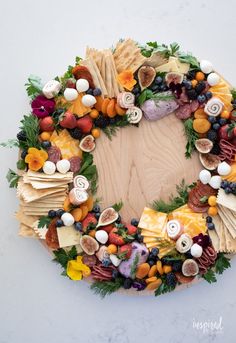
142 164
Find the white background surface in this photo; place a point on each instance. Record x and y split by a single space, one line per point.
37 304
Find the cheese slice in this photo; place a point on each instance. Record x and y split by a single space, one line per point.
69 146
183 67
68 236
168 67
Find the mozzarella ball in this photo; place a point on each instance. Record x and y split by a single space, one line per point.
88 100
213 79
223 168
49 168
204 176
63 166
196 250
70 94
215 181
82 85
206 66
101 236
51 89
67 219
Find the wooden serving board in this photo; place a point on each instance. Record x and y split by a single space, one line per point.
142 164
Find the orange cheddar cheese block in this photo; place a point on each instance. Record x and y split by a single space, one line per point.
69 146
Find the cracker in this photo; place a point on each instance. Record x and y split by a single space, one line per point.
55 176
227 222
214 239
44 185
27 231
226 200
27 220
41 232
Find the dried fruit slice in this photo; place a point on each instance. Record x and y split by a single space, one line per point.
146 75
190 267
108 216
209 161
203 145
89 244
87 144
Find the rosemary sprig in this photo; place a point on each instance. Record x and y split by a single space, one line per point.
174 201
30 125
191 136
104 288
134 266
112 129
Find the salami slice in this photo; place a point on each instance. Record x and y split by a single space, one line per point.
54 154
51 236
75 163
227 151
89 260
183 112
194 105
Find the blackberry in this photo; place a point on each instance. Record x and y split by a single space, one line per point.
114 120
200 87
191 74
188 254
127 283
21 136
212 135
151 262
166 261
192 94
171 279
101 121
215 150
23 154
76 133
177 266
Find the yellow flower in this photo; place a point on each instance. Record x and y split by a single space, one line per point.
126 79
76 269
36 158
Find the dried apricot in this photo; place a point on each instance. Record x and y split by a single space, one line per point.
159 267
84 209
92 233
225 114
154 285
77 214
142 270
98 105
89 203
201 125
167 269
200 114
105 103
67 205
111 111
150 279
119 110
152 271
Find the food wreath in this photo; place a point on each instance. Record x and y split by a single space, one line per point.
172 243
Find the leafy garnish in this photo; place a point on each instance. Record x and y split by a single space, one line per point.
30 125
21 165
233 92
112 129
203 200
44 221
12 178
209 276
174 202
104 288
89 170
63 257
33 86
163 49
118 206
191 136
190 59
78 59
148 94
221 263
10 143
164 288
134 266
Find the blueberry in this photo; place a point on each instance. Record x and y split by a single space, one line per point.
96 208
97 92
228 190
210 226
151 262
155 88
158 80
136 90
212 119
187 84
201 98
128 283
139 238
89 91
192 94
224 184
155 251
59 223
200 87
52 214
23 154
208 95
97 215
106 262
216 126
222 121
46 144
78 226
60 212
115 273
162 87
134 222
208 219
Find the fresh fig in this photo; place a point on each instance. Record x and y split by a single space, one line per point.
209 161
146 76
89 244
203 145
190 267
108 216
87 144
174 77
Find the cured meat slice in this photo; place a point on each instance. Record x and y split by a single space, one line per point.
54 154
75 163
51 236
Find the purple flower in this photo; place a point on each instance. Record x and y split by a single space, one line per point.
176 88
202 240
42 107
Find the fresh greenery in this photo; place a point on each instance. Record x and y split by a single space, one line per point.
89 170
174 201
203 200
148 94
233 92
118 206
134 266
221 264
112 129
62 257
30 125
165 50
104 288
190 59
191 137
164 288
10 143
12 178
44 221
33 86
21 165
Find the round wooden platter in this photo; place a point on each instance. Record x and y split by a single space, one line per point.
142 164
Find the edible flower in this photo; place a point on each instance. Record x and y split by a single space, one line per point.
126 79
76 269
36 158
202 240
42 107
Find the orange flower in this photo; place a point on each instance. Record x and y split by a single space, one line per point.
126 79
36 158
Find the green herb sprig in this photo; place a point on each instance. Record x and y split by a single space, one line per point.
62 257
30 125
163 288
33 86
134 266
10 143
44 221
221 264
112 129
12 178
104 288
118 206
148 94
165 50
191 136
89 170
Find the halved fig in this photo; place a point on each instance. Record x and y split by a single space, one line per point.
108 216
209 161
174 77
190 267
146 76
89 244
87 144
203 145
